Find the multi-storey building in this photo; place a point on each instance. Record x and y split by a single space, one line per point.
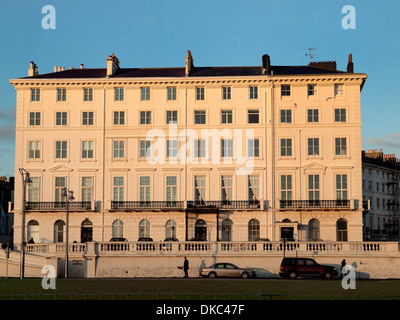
209 153
380 184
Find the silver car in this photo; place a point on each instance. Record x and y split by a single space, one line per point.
224 269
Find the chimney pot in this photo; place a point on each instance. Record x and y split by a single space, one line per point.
81 65
55 68
112 65
350 64
266 64
188 63
33 69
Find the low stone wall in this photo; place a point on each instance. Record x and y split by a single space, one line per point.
371 260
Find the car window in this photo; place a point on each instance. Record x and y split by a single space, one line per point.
230 266
300 262
219 266
310 262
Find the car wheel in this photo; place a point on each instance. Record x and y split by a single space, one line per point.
328 275
245 275
292 275
212 275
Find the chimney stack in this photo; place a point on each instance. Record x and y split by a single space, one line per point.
266 65
112 65
188 63
33 69
81 65
350 64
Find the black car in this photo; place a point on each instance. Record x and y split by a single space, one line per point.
118 239
303 267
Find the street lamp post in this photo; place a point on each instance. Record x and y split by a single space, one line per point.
25 180
69 195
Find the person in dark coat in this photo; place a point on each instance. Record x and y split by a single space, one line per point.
186 267
343 265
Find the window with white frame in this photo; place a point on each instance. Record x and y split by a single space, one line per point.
339 89
87 118
226 188
226 93
172 117
341 187
253 116
144 229
171 188
34 189
87 188
340 115
60 184
172 148
34 150
145 148
119 117
286 147
118 189
286 116
253 187
87 94
199 148
312 115
35 94
144 188
313 146
340 146
145 93
226 116
61 94
34 118
199 93
119 94
226 148
61 118
87 149
171 93
118 229
253 92
312 90
145 117
199 188
313 187
286 187
253 148
118 149
170 229
61 149
200 117
285 90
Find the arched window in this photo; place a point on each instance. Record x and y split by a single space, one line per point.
59 229
313 230
118 229
144 229
341 230
226 229
33 231
170 229
254 229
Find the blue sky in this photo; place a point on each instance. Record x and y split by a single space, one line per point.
157 33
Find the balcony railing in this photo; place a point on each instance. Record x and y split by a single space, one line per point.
225 204
59 206
147 205
314 205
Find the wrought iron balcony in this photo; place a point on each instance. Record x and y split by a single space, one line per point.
225 204
59 206
314 205
147 205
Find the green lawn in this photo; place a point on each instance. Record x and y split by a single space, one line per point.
207 289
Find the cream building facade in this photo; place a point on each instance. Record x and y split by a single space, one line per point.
191 153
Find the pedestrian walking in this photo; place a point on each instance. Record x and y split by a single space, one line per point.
343 265
186 267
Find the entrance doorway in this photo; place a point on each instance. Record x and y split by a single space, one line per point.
200 230
86 231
